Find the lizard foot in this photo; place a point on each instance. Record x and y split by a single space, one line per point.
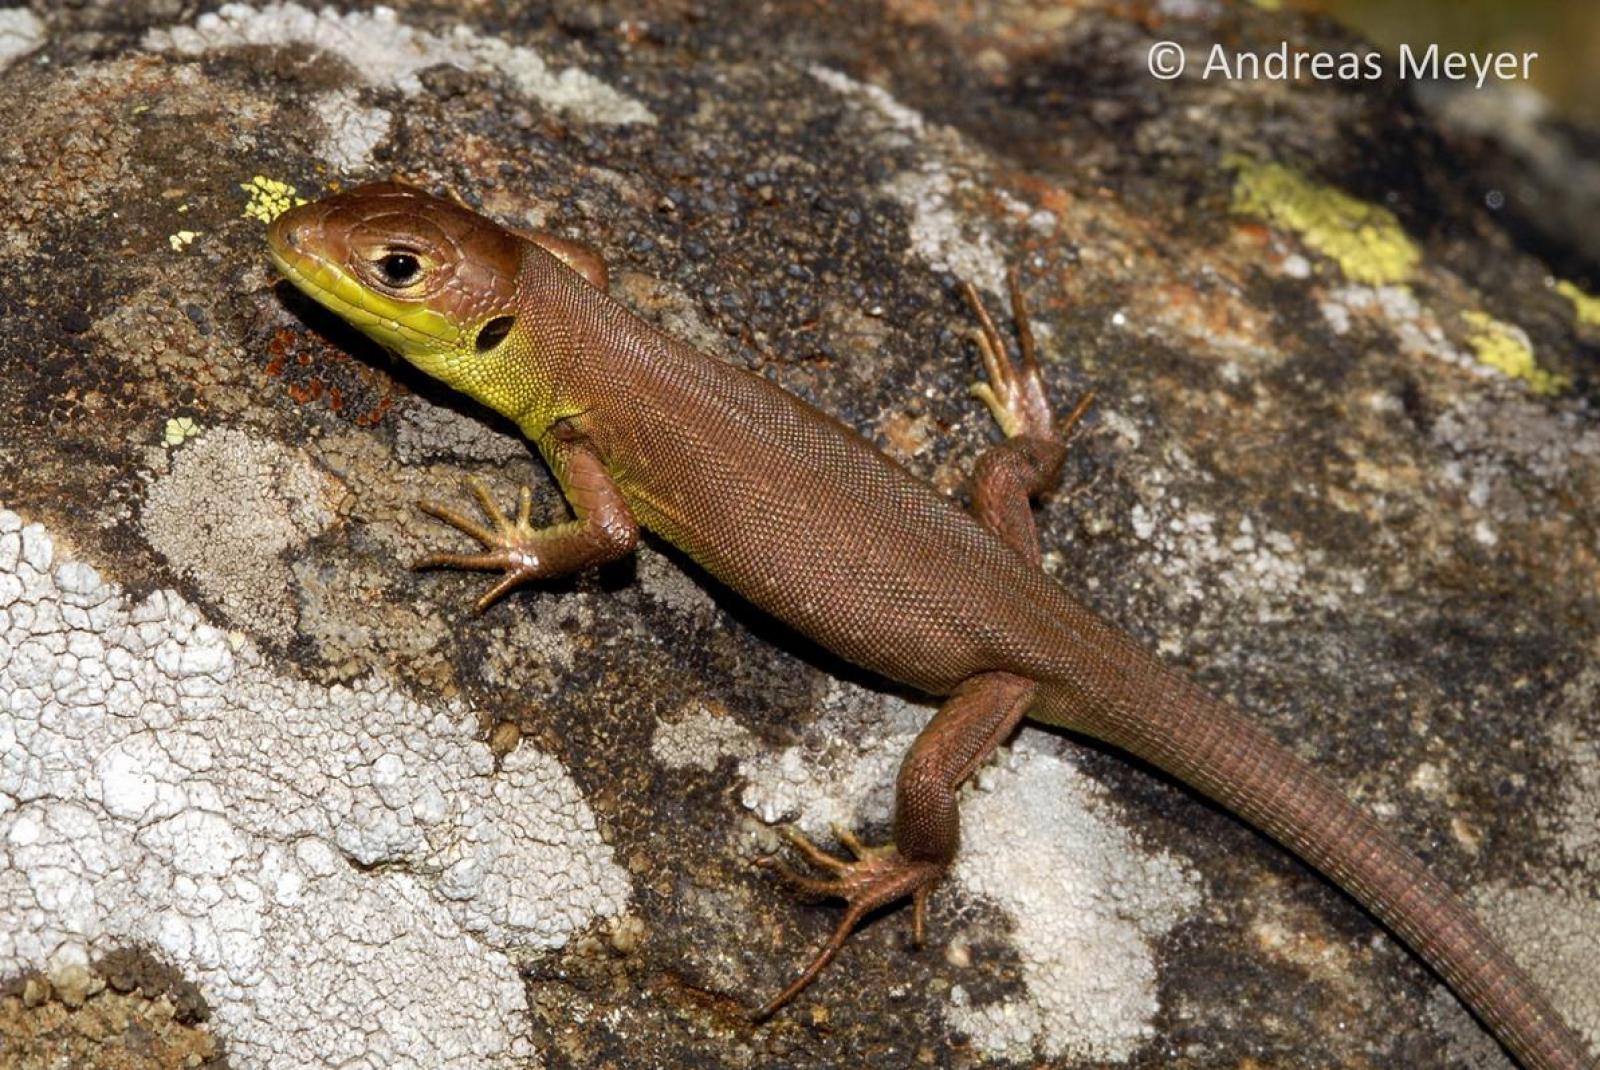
512 546
1015 395
874 878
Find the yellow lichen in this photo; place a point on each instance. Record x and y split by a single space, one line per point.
1585 306
182 239
1507 349
178 429
1365 240
269 198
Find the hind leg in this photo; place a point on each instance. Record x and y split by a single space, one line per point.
1009 475
981 713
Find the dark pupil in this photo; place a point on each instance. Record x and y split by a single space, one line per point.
399 268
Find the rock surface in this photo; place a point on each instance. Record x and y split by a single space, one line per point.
268 798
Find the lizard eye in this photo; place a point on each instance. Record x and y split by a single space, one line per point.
400 269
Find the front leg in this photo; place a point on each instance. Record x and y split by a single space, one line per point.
604 527
927 829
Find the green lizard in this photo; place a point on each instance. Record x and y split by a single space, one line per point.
810 522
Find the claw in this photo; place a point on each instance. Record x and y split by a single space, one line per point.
507 583
1019 316
995 363
483 561
811 887
990 336
1077 412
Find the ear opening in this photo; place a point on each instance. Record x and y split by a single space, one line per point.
494 332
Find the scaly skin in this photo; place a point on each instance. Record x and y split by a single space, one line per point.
807 520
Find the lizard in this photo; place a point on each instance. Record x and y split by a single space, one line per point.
809 521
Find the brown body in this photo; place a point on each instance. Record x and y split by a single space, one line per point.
809 521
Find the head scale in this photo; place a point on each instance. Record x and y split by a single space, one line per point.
427 278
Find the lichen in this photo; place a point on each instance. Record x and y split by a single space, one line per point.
380 49
226 514
1049 850
269 198
345 873
179 429
1507 349
937 193
1365 240
21 31
1585 306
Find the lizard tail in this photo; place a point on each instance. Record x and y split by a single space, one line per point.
1168 721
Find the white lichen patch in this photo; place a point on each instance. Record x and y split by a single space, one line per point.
383 51
1556 935
896 117
701 737
1041 841
427 432
843 773
1580 812
664 581
21 31
225 514
1198 555
342 871
1466 1045
1576 736
938 233
1560 450
352 131
1509 456
534 646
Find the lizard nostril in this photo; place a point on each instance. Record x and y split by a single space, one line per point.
286 232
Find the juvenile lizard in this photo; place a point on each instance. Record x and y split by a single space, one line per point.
806 519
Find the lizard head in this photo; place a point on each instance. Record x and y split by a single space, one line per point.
429 279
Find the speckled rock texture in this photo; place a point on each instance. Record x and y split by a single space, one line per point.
268 798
